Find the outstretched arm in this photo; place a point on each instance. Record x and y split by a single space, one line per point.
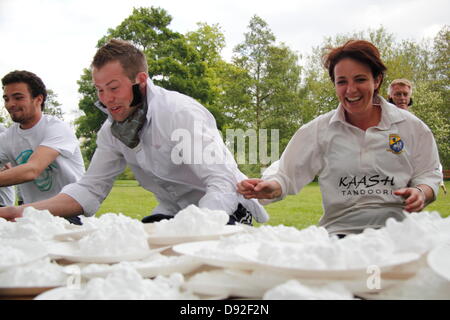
259 189
60 205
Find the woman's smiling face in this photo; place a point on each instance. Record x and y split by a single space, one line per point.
355 86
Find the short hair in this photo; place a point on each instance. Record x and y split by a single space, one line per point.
131 58
402 82
360 50
35 85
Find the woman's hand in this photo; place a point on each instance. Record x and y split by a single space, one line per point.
415 199
259 189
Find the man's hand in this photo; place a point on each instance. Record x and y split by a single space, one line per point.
11 213
259 189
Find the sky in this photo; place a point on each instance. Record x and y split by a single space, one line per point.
56 39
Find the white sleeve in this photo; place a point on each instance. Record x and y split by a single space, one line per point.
98 180
299 163
60 137
426 161
3 154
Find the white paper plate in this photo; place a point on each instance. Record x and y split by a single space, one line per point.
70 251
249 251
150 270
184 266
221 283
74 234
172 240
439 260
210 252
33 251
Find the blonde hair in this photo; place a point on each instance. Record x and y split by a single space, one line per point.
402 82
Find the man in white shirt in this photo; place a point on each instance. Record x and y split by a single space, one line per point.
43 150
7 194
170 142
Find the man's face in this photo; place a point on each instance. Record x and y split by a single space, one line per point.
401 95
114 90
20 104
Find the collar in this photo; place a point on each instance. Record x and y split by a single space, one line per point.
390 114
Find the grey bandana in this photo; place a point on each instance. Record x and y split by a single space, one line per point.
128 130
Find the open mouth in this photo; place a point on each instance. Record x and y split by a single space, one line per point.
353 99
115 109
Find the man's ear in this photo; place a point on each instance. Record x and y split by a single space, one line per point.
39 99
141 78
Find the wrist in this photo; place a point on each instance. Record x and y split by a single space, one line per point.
420 189
422 192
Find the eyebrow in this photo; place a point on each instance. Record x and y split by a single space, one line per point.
15 94
107 84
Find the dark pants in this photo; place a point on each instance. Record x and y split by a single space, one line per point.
74 220
241 215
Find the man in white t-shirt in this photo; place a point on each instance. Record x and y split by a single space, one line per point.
7 194
43 150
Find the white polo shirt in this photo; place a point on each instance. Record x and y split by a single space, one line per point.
359 170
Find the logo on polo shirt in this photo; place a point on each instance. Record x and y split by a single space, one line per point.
395 144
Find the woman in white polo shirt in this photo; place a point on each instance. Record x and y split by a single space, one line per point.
373 160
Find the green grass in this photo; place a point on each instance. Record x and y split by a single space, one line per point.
301 210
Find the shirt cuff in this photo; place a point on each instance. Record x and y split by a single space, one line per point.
87 201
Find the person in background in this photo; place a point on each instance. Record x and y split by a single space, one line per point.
143 120
7 194
373 161
43 150
399 93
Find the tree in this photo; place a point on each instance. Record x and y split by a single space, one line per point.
52 106
441 85
265 92
92 118
209 42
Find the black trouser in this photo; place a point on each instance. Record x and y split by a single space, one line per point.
241 215
74 220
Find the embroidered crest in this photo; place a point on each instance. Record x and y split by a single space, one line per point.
395 144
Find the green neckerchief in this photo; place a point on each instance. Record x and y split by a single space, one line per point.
128 130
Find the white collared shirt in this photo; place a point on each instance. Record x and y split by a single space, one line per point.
359 170
156 162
